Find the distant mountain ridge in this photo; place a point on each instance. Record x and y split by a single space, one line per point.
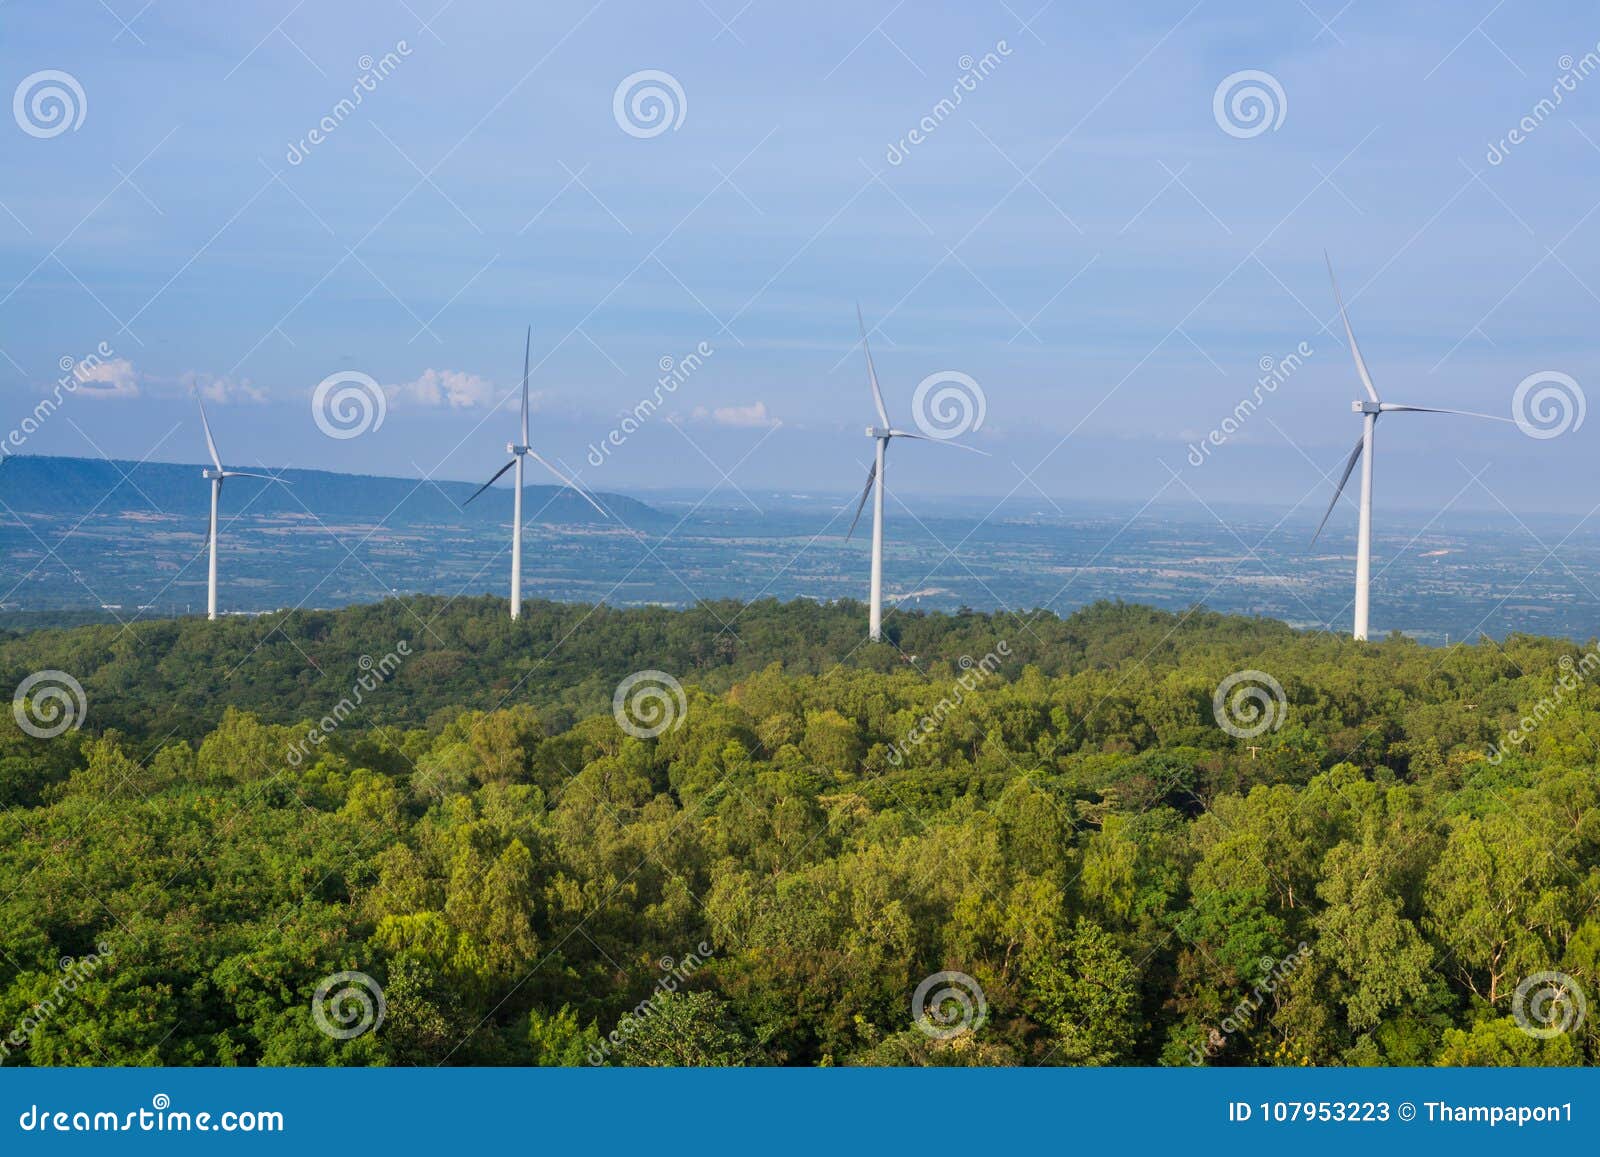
59 486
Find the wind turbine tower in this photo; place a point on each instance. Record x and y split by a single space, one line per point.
519 451
1370 408
216 477
882 434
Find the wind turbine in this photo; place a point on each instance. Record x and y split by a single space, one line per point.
1369 408
882 434
215 477
519 451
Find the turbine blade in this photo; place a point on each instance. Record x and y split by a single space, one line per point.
1437 410
872 374
263 477
211 443
872 476
492 481
1355 350
1349 466
938 442
527 344
570 484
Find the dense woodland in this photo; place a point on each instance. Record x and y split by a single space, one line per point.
1128 882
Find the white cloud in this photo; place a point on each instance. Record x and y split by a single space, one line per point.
223 391
751 415
452 388
113 379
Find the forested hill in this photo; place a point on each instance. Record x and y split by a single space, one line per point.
58 486
1148 676
1391 855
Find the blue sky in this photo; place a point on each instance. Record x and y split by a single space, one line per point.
1080 236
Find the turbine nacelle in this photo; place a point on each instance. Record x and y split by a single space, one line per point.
879 432
1365 406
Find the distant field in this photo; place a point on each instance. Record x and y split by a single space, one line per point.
1450 580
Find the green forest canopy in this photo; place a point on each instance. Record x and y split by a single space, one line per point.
825 825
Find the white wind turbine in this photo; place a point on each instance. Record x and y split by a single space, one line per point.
1369 408
882 434
519 451
215 477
